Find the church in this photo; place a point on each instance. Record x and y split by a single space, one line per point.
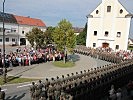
108 26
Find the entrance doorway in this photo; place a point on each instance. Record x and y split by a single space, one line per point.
22 41
105 45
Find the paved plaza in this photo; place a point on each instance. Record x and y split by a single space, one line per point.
47 70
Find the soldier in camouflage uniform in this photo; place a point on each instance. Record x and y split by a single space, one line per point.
2 95
32 90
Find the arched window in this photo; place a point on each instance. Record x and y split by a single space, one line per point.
108 8
97 11
121 11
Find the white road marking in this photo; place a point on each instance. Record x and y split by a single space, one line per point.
23 85
4 90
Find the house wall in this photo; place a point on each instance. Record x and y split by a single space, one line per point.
23 29
11 32
20 32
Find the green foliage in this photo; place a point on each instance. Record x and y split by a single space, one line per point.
12 80
81 38
63 35
63 65
48 35
36 37
130 47
30 38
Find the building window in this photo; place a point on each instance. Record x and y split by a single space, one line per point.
7 39
97 11
95 33
117 47
94 44
121 11
106 33
22 32
13 40
1 29
108 8
13 30
0 40
118 34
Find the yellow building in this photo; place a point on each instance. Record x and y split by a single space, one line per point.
108 26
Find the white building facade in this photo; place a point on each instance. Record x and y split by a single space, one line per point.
108 26
16 28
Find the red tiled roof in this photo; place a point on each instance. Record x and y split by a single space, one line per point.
29 21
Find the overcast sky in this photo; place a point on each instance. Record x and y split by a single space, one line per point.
52 11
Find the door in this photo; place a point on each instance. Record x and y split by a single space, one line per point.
22 41
105 45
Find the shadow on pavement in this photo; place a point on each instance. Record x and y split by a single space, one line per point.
9 70
15 97
10 78
73 57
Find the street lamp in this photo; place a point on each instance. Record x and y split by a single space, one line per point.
65 49
4 67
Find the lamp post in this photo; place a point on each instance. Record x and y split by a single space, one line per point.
4 67
65 48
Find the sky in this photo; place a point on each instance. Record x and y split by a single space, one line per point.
53 11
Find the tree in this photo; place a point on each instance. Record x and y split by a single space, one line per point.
48 35
64 36
36 37
81 38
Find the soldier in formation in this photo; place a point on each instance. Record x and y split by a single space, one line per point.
2 94
88 84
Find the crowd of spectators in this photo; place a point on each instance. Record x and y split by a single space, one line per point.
28 56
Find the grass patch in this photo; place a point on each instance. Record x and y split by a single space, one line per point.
12 80
130 48
61 64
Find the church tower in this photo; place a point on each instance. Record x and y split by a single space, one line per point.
108 26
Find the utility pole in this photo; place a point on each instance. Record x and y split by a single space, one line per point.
4 67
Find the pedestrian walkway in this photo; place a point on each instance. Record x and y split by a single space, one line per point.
47 70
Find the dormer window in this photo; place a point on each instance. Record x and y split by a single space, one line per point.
121 11
108 8
97 11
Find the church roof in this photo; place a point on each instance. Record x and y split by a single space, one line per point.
125 4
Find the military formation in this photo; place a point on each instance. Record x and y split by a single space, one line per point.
91 84
103 54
